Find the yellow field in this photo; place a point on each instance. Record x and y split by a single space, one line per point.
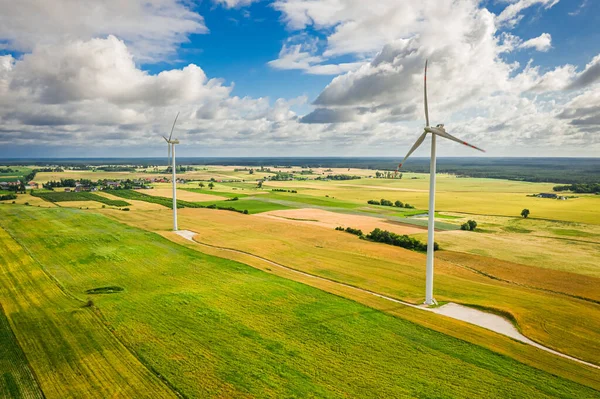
26 198
571 247
559 321
318 217
182 195
464 195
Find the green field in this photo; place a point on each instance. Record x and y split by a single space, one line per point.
16 378
69 349
215 328
51 196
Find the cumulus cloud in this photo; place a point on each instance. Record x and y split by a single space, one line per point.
92 91
153 29
471 87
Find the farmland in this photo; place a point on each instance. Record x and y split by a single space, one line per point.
187 324
217 319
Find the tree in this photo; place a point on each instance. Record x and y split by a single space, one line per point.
472 224
259 184
211 185
251 171
525 213
398 204
201 185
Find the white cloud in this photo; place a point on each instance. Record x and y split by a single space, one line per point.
92 92
294 57
540 43
471 87
511 15
235 3
153 29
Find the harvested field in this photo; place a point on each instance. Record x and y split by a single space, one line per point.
182 195
319 217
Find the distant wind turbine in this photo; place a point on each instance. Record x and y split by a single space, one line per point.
171 145
435 131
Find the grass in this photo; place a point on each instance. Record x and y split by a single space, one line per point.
566 324
227 194
16 378
217 328
83 196
251 204
69 349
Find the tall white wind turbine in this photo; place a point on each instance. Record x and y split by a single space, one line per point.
171 144
435 131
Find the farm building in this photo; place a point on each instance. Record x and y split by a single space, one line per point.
547 195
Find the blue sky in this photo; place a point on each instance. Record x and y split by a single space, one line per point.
287 77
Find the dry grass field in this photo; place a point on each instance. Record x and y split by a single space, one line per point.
463 195
183 195
319 217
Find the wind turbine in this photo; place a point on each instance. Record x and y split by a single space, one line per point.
171 145
435 131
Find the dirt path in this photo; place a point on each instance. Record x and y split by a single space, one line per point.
459 312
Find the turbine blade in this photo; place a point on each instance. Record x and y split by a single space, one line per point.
166 139
414 147
425 91
174 122
451 137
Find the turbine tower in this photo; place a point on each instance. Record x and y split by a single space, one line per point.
435 131
171 145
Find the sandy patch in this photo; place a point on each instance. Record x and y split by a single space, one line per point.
182 195
319 217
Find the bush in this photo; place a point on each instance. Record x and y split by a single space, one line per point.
403 241
472 224
356 232
465 226
245 211
373 202
8 197
125 209
398 204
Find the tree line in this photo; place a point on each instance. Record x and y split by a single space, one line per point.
581 188
390 238
384 202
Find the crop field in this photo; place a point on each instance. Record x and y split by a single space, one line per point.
332 220
67 345
218 320
217 328
569 324
17 379
83 196
463 195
